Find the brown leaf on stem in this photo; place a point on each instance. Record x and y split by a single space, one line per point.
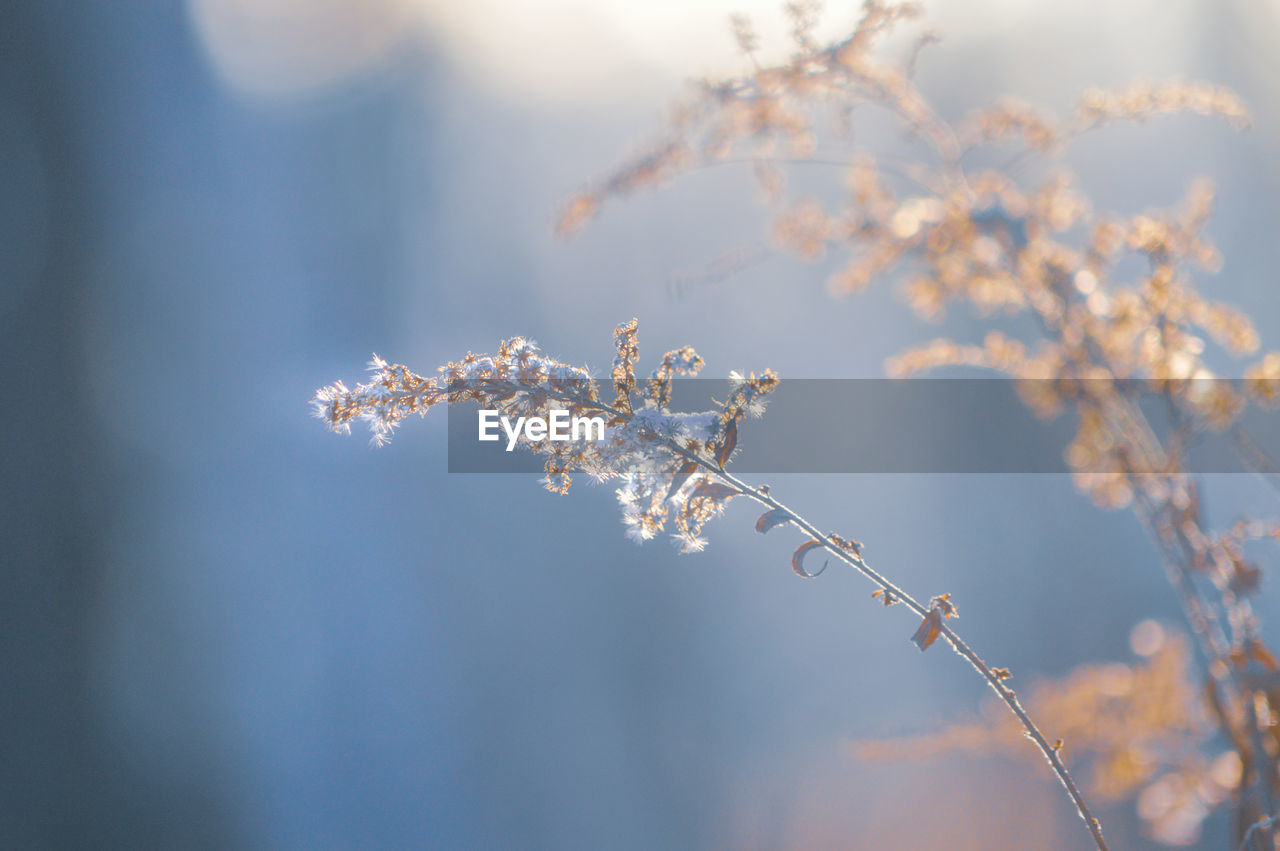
773 518
929 630
728 444
714 490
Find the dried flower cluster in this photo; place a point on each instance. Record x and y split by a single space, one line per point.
666 461
1022 239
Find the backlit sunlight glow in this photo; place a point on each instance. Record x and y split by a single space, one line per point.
593 50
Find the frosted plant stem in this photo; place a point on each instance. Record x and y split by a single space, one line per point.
1006 694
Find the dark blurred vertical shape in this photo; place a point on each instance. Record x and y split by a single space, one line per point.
60 784
52 773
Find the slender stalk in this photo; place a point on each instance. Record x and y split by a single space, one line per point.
1006 694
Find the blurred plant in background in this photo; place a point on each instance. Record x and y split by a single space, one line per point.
939 207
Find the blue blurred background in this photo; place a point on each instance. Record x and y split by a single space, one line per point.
225 627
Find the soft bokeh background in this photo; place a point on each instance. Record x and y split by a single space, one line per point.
225 627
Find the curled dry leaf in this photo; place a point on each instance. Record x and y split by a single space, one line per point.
773 518
797 560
